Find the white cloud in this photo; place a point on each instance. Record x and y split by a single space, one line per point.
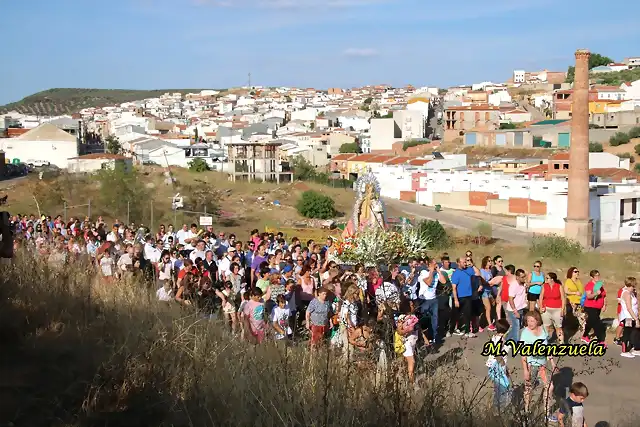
360 52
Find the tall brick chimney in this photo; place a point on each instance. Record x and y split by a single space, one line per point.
578 224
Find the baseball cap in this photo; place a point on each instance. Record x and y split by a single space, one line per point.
287 269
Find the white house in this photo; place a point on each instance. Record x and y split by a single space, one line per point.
98 161
518 76
632 90
46 142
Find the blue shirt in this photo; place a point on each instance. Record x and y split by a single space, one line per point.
462 280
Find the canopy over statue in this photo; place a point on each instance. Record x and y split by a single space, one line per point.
368 209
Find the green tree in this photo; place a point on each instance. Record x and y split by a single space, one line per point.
634 132
637 149
198 165
364 107
303 170
316 205
637 168
595 147
595 60
113 145
434 232
122 192
350 147
368 101
312 125
508 125
619 138
288 99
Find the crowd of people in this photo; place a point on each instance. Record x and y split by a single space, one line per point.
270 287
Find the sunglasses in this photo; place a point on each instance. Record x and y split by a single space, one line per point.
537 266
576 271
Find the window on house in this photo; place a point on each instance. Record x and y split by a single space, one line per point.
565 166
556 166
621 208
634 204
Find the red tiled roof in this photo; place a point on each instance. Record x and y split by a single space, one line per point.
419 162
344 156
381 158
363 157
560 156
482 107
104 156
15 132
613 174
399 160
535 169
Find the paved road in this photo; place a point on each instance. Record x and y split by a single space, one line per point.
458 219
611 379
507 233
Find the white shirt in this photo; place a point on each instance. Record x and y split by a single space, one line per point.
111 237
427 291
224 265
106 265
196 254
281 316
164 295
182 236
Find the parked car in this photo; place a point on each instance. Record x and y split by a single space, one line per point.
38 163
635 237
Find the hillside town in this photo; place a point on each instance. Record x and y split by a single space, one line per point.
414 139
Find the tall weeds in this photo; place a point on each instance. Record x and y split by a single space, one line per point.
77 352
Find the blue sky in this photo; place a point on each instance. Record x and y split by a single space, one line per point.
147 44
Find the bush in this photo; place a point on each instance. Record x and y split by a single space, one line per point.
637 149
484 231
435 233
634 132
316 205
350 147
619 138
198 165
595 147
627 156
555 246
637 168
414 143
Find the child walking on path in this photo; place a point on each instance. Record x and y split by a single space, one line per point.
498 371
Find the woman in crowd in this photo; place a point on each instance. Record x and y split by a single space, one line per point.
535 281
535 367
552 305
574 289
628 319
595 303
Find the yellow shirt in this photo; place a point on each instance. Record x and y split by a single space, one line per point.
571 286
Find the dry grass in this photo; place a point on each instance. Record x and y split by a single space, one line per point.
80 353
245 205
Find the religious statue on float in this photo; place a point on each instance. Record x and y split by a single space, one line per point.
368 210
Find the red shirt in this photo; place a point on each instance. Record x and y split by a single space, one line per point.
599 301
504 294
183 272
552 296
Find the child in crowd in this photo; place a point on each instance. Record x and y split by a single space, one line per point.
405 341
280 319
498 371
165 293
571 412
245 298
254 317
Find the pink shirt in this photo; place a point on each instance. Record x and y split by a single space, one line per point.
254 311
519 294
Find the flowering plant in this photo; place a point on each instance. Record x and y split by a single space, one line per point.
375 246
